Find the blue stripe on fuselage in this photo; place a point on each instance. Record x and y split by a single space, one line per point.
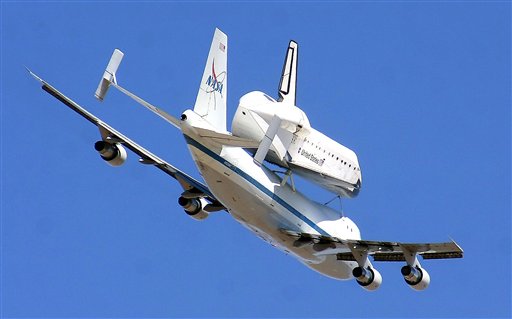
254 182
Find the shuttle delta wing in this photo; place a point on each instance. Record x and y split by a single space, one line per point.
110 135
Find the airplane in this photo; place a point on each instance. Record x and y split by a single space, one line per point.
238 181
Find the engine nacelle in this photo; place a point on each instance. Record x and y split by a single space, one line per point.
416 277
194 207
113 154
368 278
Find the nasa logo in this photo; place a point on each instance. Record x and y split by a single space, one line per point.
214 82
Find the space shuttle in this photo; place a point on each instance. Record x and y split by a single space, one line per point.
287 139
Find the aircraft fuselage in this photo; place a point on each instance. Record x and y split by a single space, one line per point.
256 198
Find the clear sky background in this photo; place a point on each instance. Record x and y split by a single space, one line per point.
420 90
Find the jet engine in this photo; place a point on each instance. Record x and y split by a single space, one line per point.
194 207
416 277
368 278
113 153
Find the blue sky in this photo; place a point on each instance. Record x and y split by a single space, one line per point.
420 90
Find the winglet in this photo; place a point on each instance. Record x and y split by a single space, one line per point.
109 76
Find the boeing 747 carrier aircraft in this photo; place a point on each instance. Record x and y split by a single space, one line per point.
238 181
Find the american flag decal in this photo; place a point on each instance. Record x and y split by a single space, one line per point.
222 47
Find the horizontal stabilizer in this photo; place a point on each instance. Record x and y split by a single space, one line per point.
109 79
109 76
226 139
166 116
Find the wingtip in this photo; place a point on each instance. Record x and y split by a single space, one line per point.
455 243
33 74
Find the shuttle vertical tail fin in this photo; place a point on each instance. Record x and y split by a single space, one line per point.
212 96
288 83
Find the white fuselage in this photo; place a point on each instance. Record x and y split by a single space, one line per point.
297 145
254 197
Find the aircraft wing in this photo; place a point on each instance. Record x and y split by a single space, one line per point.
189 184
379 250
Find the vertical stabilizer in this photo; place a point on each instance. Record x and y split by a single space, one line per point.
109 76
288 84
212 95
